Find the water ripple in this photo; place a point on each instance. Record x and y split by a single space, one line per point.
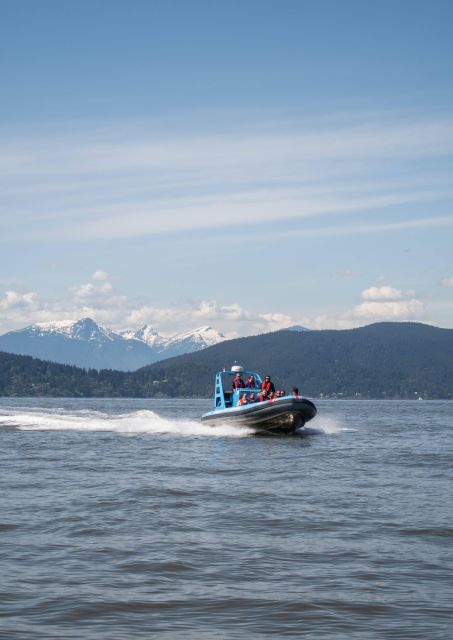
179 533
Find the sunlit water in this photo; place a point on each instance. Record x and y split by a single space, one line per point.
129 519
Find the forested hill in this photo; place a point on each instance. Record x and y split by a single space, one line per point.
394 360
27 376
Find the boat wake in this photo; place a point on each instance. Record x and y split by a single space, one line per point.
127 424
140 422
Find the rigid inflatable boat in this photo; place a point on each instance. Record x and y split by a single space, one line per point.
278 416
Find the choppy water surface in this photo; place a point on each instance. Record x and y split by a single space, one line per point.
129 519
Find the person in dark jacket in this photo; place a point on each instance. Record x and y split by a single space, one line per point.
251 383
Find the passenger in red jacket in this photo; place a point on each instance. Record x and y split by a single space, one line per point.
295 392
238 382
268 385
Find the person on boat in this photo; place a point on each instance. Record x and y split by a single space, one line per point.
268 385
295 392
238 382
251 383
252 398
262 396
243 400
273 396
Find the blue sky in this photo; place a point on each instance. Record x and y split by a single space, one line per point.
248 165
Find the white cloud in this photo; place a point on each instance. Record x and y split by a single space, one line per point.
230 318
378 304
100 275
447 282
99 300
381 293
387 303
389 310
21 309
16 301
98 294
92 293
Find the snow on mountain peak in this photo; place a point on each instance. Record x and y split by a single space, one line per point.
200 338
84 329
85 343
88 329
150 336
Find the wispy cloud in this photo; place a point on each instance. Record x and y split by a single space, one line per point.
112 184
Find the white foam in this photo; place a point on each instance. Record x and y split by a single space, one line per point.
134 423
324 425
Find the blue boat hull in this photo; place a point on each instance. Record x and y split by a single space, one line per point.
281 416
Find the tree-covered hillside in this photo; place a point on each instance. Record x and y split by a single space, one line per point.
386 360
27 376
394 360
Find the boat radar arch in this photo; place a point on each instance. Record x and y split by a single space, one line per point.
237 368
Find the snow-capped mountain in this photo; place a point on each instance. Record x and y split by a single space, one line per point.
186 342
148 335
191 341
85 329
87 344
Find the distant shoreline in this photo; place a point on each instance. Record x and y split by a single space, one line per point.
344 398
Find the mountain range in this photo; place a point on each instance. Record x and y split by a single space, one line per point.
384 360
85 343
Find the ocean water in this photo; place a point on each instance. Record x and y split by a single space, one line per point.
129 519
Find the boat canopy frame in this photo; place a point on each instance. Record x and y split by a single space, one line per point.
226 399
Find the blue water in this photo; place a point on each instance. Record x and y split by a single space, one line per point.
128 519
